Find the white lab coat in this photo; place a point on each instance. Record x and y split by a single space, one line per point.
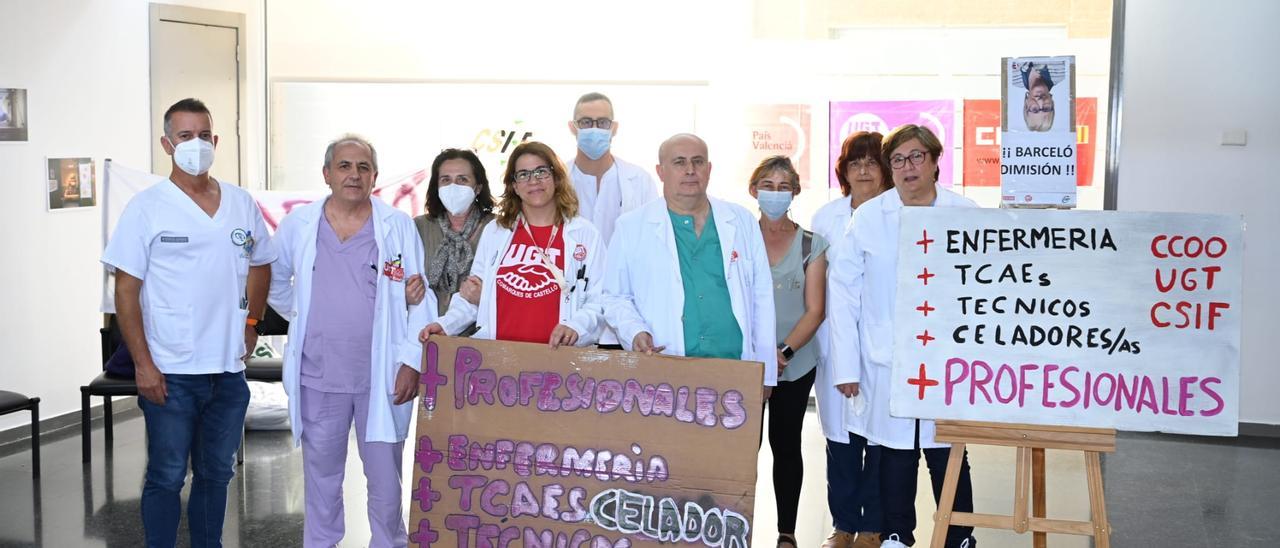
830 222
644 290
580 309
863 287
638 187
395 325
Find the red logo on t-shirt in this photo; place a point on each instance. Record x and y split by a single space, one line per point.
528 296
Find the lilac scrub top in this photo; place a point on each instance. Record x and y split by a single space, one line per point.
338 345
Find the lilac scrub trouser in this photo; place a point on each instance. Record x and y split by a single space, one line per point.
326 425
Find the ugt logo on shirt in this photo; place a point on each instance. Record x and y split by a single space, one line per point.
523 274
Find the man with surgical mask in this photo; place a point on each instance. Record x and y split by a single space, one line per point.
606 185
191 258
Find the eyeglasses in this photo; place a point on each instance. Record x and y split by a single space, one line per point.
587 123
1038 110
861 165
899 161
445 180
538 173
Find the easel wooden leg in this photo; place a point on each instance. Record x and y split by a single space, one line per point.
942 518
1097 502
1021 477
1039 539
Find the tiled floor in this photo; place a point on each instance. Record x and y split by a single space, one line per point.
1162 491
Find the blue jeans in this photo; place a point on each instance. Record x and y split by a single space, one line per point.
202 419
853 485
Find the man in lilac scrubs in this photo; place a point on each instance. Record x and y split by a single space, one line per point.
351 281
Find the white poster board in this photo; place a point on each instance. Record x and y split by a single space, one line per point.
1038 132
1101 319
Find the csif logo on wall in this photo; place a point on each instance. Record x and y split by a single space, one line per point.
491 140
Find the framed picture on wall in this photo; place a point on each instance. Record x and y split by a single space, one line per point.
13 114
71 183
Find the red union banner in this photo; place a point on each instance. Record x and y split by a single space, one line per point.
982 141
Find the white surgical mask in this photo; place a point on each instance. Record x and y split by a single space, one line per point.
773 203
457 198
194 156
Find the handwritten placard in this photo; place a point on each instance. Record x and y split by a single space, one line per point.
521 445
1104 319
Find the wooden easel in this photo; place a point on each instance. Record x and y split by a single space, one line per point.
1030 440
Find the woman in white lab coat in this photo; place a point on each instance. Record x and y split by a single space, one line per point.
862 288
853 466
538 268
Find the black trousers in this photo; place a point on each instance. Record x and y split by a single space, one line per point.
786 407
898 471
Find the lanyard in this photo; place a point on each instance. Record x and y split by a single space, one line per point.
546 259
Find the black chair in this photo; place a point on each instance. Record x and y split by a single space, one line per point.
12 402
105 386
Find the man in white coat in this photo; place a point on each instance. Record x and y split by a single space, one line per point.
348 277
862 289
606 185
688 275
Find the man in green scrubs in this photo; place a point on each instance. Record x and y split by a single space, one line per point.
688 274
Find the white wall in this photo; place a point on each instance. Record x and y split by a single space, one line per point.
85 67
1191 70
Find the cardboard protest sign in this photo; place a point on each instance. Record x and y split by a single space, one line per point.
1037 153
849 117
1103 319
982 141
521 445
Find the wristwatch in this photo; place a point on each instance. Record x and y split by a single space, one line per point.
255 323
787 352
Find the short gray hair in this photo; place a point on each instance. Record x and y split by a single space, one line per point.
591 98
350 138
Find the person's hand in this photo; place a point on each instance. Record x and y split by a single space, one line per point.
250 342
849 389
415 289
470 289
643 342
768 391
150 383
406 384
563 334
429 330
782 362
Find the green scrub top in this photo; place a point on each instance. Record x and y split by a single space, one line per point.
710 327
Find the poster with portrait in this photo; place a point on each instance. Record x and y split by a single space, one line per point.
848 117
71 183
1038 132
13 114
982 141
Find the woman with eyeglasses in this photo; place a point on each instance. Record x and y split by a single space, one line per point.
459 206
863 288
538 267
797 260
853 467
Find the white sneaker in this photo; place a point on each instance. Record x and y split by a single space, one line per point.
892 542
